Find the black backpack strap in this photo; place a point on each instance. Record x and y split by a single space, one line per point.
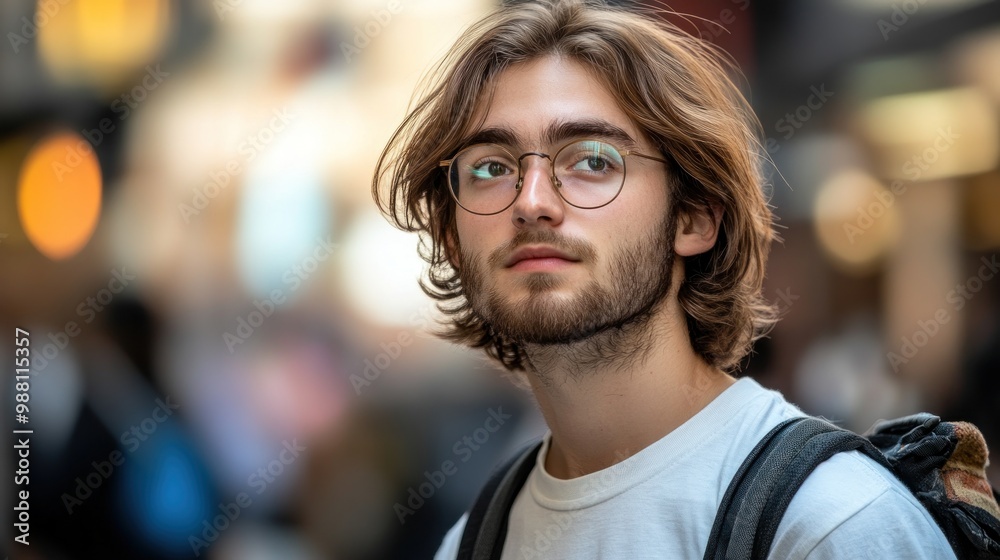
486 527
766 482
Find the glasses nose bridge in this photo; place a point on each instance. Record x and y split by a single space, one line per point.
521 168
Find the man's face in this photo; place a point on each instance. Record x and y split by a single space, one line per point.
543 271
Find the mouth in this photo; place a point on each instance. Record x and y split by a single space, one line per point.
539 258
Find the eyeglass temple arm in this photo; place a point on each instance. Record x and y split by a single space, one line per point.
635 153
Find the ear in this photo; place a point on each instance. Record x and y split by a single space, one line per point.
698 230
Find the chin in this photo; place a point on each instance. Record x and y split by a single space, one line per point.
542 318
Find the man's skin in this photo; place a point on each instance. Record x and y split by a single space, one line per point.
597 409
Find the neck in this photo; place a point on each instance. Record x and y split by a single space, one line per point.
615 393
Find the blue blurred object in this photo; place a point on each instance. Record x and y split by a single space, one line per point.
165 493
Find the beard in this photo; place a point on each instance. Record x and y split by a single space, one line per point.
640 278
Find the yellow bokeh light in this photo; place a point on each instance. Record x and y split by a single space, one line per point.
856 219
59 195
101 41
933 135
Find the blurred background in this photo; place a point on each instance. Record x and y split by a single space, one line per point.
230 354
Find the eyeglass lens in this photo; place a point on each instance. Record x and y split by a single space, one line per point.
588 174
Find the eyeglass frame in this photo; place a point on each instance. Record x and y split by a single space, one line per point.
446 163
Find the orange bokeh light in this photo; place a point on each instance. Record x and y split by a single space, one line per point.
59 194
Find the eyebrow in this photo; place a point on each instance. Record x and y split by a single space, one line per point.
558 131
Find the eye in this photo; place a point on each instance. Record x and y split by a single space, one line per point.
591 163
489 170
590 157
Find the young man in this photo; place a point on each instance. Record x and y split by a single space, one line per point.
624 300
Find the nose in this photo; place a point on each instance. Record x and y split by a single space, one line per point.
538 202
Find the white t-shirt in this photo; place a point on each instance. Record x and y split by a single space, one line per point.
661 502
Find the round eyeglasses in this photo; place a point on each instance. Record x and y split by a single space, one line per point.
486 179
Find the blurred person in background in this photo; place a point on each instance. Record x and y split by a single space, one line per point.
623 301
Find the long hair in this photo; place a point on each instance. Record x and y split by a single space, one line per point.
674 86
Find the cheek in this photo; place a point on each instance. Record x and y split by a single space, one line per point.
474 233
657 207
627 224
638 207
649 198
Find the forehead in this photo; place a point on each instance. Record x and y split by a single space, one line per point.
549 99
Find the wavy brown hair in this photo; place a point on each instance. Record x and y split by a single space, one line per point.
674 86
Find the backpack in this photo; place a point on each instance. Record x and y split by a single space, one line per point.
942 463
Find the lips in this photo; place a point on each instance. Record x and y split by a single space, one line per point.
529 253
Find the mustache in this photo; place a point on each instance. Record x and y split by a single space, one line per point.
577 248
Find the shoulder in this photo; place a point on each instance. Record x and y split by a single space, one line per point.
851 503
452 540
